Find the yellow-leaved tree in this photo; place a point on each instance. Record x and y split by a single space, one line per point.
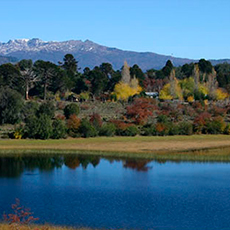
188 86
123 91
220 94
165 93
126 87
203 89
172 90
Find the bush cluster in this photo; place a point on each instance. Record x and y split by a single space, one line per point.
41 125
141 117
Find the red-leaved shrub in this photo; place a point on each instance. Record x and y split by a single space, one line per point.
141 109
73 123
20 215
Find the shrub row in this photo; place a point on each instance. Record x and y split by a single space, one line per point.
40 122
43 127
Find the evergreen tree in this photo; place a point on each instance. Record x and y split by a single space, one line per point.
138 73
46 71
70 64
10 77
167 68
28 75
10 106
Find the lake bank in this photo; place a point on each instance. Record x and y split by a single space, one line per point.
196 147
43 227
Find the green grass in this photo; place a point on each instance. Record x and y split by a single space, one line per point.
114 139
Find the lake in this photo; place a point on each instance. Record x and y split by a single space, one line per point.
95 192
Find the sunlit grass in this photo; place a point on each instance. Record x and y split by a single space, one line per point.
189 148
125 144
114 139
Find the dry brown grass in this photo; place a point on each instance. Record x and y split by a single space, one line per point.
137 144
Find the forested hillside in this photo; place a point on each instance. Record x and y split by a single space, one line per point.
44 100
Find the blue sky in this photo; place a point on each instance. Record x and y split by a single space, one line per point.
182 28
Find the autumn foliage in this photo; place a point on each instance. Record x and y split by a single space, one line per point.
201 121
73 123
128 86
123 91
125 129
95 120
141 109
19 217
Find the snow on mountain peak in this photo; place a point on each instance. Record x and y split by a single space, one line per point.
36 45
23 40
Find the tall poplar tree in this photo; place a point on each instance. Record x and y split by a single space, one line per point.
125 74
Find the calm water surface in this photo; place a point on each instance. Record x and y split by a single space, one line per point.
114 194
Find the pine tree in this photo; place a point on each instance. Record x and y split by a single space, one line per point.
28 75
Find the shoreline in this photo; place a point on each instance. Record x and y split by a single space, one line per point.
195 148
41 227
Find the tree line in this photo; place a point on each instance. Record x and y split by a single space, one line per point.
46 80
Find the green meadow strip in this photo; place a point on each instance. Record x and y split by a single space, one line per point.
205 155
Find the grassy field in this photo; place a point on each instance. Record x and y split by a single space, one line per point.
138 144
171 147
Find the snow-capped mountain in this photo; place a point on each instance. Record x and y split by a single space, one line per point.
37 45
87 53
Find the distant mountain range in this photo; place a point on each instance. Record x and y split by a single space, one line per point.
87 53
5 59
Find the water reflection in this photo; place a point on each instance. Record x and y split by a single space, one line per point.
139 165
120 193
74 161
11 167
14 166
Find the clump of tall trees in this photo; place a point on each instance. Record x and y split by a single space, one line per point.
127 86
195 81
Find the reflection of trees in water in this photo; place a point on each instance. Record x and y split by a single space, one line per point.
139 165
72 162
11 167
43 163
135 164
14 166
161 161
75 161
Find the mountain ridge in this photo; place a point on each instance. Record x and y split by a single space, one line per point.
7 59
87 53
